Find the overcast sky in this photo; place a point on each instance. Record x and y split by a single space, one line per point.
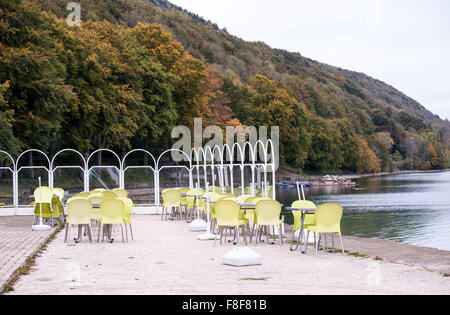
405 43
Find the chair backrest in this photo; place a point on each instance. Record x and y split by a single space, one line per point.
121 193
227 212
112 211
183 190
78 211
267 212
195 191
83 194
43 194
59 192
172 198
128 206
310 219
75 198
226 195
96 198
328 218
98 190
243 198
211 195
109 194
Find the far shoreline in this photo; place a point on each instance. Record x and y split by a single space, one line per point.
360 176
287 177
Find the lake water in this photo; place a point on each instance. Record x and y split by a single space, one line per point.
408 208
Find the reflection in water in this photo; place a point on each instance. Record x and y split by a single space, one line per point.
408 208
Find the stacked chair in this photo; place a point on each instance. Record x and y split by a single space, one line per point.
51 201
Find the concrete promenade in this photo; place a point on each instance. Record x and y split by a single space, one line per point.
166 258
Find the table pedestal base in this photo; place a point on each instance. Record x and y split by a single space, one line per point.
208 237
198 225
41 228
242 256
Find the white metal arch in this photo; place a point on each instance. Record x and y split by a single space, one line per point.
17 170
53 168
220 166
230 158
158 169
13 173
195 153
10 157
119 169
273 165
33 150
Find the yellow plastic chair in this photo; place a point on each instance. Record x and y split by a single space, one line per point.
172 200
109 194
112 211
191 202
184 208
249 212
43 196
58 203
310 219
328 221
213 197
121 193
228 216
83 194
98 190
78 213
267 214
127 215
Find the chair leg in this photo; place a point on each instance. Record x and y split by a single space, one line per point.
236 229
342 244
221 235
226 233
316 243
215 238
281 235
67 231
243 233
131 231
90 233
267 234
99 230
123 239
253 231
306 242
126 231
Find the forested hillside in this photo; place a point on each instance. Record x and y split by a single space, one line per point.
136 68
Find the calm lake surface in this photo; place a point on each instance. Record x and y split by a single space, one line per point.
409 208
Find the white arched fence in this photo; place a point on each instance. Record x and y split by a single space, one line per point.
212 166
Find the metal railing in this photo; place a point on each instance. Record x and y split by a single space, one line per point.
218 165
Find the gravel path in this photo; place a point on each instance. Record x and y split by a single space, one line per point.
165 258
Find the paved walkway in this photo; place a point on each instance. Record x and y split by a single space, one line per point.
17 242
166 258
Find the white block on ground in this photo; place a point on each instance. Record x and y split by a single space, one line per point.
198 225
41 228
242 256
207 237
311 236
